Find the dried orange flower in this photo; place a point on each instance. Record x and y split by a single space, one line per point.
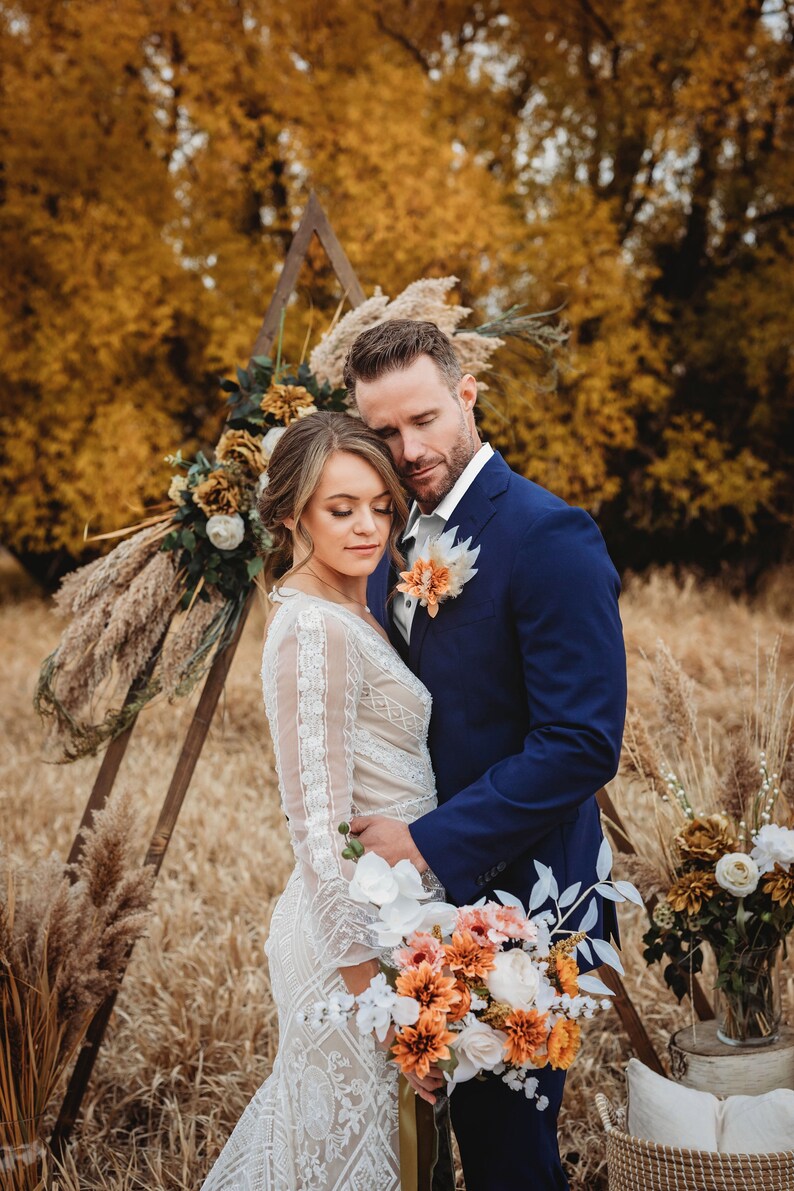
238 446
526 1031
287 403
435 992
564 1041
468 955
417 1048
566 971
691 890
217 494
779 885
707 839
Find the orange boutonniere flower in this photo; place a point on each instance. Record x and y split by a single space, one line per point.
440 575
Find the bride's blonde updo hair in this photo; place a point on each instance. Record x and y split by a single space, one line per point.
294 473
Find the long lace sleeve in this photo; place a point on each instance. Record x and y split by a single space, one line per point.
312 678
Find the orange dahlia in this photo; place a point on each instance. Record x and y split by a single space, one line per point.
435 992
691 890
464 1002
564 1041
417 1048
779 884
468 955
526 1031
567 973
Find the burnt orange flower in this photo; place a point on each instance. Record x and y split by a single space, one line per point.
435 992
287 403
526 1031
417 1048
779 884
691 890
468 955
567 973
427 582
564 1041
464 1003
238 446
217 494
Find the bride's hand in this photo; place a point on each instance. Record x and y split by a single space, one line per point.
425 1088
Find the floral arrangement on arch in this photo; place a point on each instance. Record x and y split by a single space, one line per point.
489 989
149 618
720 869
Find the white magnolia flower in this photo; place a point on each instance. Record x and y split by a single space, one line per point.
270 439
738 873
226 530
478 1047
514 979
405 1011
374 881
398 918
773 845
375 1007
409 880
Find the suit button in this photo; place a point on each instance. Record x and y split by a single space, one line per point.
479 880
501 866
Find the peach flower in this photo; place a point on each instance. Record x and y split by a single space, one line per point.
417 1048
420 947
564 1041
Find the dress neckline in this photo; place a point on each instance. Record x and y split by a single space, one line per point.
276 596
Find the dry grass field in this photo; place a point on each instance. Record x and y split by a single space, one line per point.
193 1033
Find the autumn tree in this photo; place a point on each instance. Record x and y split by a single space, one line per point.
629 162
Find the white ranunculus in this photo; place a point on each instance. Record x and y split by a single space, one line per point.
398 919
226 530
374 881
409 880
737 873
514 979
478 1047
270 439
773 844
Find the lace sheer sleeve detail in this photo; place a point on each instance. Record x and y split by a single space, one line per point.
314 685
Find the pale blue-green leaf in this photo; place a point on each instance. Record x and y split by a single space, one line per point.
569 895
509 899
609 893
591 984
630 892
604 861
590 916
607 954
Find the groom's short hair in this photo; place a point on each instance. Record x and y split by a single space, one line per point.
394 345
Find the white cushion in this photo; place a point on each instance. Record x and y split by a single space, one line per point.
670 1114
757 1124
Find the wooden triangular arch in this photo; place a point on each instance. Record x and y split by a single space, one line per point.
313 222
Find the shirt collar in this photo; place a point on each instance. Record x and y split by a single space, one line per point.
447 506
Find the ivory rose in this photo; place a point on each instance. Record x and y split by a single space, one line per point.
513 979
738 873
478 1048
226 530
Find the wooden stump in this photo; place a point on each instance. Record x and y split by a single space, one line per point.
699 1060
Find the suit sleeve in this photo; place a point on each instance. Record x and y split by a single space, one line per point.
564 598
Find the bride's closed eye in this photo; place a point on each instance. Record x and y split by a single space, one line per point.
349 512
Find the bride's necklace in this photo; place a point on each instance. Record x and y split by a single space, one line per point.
338 590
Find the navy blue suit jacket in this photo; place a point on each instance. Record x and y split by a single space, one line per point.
528 676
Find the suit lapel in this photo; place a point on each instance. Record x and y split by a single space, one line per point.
473 512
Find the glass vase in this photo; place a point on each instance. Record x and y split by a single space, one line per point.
748 1003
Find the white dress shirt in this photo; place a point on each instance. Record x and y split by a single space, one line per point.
421 526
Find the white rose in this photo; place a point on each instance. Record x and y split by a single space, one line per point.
374 881
478 1047
738 873
514 979
226 530
270 439
773 845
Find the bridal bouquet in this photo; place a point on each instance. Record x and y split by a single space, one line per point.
481 989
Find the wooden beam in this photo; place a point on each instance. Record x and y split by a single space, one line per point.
313 222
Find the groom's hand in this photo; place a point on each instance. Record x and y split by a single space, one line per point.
425 1088
390 838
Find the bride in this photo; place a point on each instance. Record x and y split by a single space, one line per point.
349 724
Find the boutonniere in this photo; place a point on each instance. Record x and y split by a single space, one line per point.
442 573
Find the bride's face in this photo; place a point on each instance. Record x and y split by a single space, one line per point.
349 517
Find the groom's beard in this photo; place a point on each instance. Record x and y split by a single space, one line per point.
448 471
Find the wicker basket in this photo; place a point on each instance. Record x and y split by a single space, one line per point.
636 1165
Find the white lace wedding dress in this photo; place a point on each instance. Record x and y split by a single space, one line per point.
349 723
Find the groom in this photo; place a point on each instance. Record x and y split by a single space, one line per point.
526 667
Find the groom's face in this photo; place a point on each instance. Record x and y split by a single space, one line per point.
429 430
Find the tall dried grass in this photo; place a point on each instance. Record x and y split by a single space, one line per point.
193 1032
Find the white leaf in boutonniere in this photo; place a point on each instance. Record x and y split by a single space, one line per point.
442 573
